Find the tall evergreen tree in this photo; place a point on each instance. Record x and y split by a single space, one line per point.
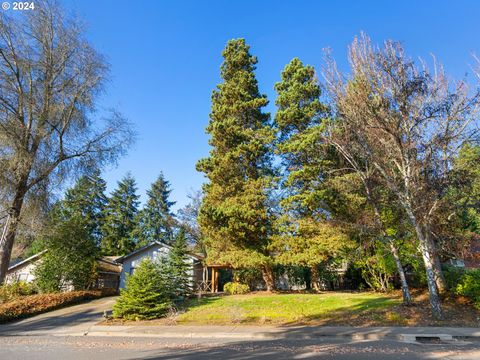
234 215
120 219
299 122
303 236
178 264
156 219
87 199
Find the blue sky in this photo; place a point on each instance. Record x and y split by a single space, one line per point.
165 58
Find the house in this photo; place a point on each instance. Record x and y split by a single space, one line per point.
24 270
156 251
469 257
108 271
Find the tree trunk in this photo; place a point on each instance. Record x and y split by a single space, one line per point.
407 299
439 277
437 265
428 261
432 286
308 279
6 244
315 278
267 275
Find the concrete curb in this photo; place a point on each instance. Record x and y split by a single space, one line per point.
304 333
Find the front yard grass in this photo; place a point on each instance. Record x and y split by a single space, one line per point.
282 309
327 308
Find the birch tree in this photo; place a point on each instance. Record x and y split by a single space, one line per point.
408 122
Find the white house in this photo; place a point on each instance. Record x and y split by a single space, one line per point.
156 251
108 271
24 270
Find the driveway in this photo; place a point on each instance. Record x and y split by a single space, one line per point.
72 320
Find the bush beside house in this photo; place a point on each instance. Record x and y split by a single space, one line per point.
69 262
469 286
233 288
10 292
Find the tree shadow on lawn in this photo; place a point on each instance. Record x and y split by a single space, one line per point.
193 303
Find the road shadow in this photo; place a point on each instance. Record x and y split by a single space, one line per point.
337 349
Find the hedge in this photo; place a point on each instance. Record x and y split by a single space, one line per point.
40 303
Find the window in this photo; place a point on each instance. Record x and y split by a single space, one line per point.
132 269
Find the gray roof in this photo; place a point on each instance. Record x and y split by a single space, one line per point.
146 247
27 260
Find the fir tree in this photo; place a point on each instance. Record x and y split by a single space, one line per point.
156 219
120 219
87 199
179 266
303 237
234 215
148 293
299 121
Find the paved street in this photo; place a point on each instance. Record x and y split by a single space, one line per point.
61 335
78 348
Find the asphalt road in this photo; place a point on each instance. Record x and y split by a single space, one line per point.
91 348
60 335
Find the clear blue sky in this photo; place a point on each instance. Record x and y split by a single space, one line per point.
165 58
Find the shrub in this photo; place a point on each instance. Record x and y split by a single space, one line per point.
70 259
469 286
18 289
233 288
36 304
251 276
453 276
148 294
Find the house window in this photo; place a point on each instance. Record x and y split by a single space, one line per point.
132 269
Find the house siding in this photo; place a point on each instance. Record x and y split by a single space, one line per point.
155 253
25 273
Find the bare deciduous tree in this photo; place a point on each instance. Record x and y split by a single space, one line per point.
50 79
409 123
340 136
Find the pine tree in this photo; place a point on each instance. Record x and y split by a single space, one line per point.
156 219
120 219
234 215
178 264
148 293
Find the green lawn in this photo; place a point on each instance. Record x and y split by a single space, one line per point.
277 309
